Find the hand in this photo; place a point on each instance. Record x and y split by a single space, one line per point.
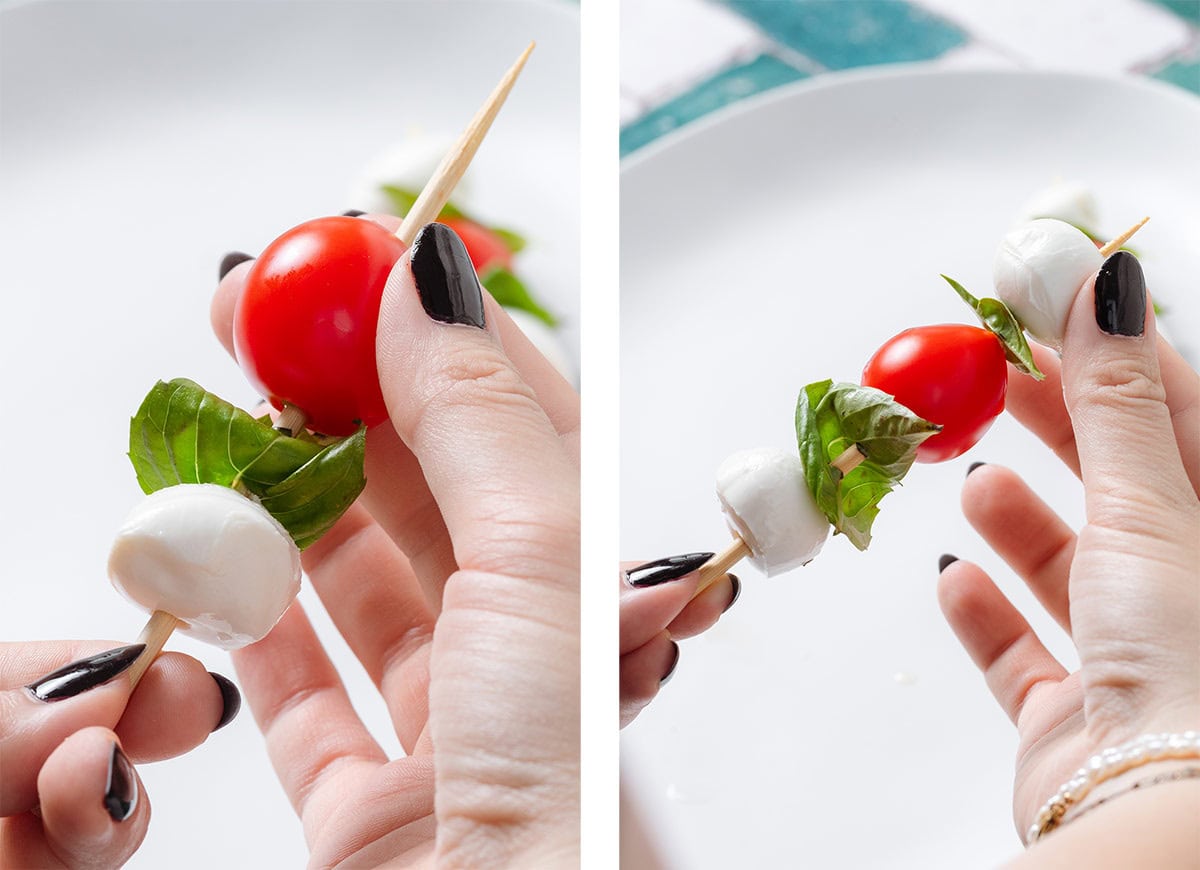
69 795
659 606
1123 412
455 581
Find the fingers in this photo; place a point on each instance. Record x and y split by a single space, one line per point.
998 639
671 603
643 673
93 806
93 694
1039 407
507 488
368 587
313 736
1025 532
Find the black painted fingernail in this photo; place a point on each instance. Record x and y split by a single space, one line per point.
229 261
353 212
121 790
69 680
1121 295
231 698
737 592
662 570
945 561
973 466
666 678
446 280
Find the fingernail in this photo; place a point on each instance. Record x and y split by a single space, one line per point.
671 670
446 280
973 466
69 680
1121 295
945 561
662 570
231 699
229 261
737 592
121 791
353 212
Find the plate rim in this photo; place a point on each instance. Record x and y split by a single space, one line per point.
869 76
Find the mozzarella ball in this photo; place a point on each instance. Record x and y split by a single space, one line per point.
210 557
1067 201
545 339
1038 270
408 164
767 503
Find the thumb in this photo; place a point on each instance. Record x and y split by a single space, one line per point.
1128 454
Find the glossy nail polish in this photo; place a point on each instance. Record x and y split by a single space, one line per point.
445 278
666 678
353 212
1121 295
946 561
230 260
663 570
973 466
737 592
121 790
69 680
231 700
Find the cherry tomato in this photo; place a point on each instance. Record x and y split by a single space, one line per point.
304 327
950 374
486 249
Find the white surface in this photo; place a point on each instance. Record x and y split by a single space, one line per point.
140 142
831 718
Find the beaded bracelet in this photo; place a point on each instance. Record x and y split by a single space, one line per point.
1104 766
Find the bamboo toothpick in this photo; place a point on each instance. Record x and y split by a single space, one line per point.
1115 245
437 191
718 566
154 635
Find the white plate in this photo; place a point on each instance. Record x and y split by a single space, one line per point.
831 719
138 143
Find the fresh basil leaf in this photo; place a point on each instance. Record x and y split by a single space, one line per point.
184 434
832 417
514 241
404 199
510 292
999 320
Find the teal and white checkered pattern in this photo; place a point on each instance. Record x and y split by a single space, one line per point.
681 59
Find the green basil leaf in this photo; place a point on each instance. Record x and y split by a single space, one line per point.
999 320
184 434
832 417
510 292
514 241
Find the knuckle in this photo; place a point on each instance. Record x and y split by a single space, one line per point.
1127 387
477 378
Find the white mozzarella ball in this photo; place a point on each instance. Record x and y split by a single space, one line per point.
408 164
209 556
767 503
1038 270
1067 201
546 340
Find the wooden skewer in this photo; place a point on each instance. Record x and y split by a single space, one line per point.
1115 245
718 566
434 195
154 635
849 459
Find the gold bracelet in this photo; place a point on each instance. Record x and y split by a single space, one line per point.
1174 776
1104 766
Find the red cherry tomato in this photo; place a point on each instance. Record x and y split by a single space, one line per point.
304 327
486 249
952 375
